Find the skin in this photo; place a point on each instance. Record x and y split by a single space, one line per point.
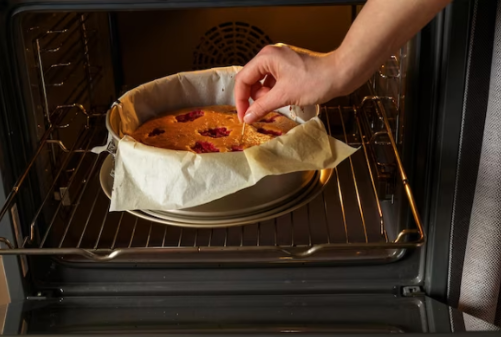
296 76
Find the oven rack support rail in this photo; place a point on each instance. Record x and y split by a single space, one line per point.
161 246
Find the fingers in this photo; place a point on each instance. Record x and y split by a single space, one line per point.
242 93
261 66
268 100
260 93
267 96
255 89
258 90
269 81
251 74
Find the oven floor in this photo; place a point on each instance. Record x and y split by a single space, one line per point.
239 314
272 314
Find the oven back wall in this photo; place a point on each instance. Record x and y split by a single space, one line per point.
157 44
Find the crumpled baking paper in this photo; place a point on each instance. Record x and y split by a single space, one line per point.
149 178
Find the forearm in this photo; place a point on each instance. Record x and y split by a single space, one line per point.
380 29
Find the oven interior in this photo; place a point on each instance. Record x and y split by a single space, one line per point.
73 65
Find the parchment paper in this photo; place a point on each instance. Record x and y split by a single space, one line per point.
158 179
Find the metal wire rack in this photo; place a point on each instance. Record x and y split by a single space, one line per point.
346 222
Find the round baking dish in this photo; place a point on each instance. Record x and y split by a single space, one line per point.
270 192
310 192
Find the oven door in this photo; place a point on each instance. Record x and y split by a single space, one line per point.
322 314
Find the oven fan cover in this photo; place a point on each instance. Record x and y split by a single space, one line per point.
230 43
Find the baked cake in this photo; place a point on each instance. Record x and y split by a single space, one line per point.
210 129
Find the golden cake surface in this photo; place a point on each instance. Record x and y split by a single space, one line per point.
210 129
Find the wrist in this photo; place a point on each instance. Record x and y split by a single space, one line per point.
339 72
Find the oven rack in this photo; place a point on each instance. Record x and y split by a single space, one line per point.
346 222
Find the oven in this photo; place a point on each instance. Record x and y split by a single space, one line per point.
381 248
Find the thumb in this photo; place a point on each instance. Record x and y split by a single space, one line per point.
265 103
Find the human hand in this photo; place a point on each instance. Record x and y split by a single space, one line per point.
292 76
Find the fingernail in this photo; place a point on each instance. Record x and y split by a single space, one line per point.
249 117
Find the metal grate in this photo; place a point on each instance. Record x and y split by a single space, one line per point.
346 222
